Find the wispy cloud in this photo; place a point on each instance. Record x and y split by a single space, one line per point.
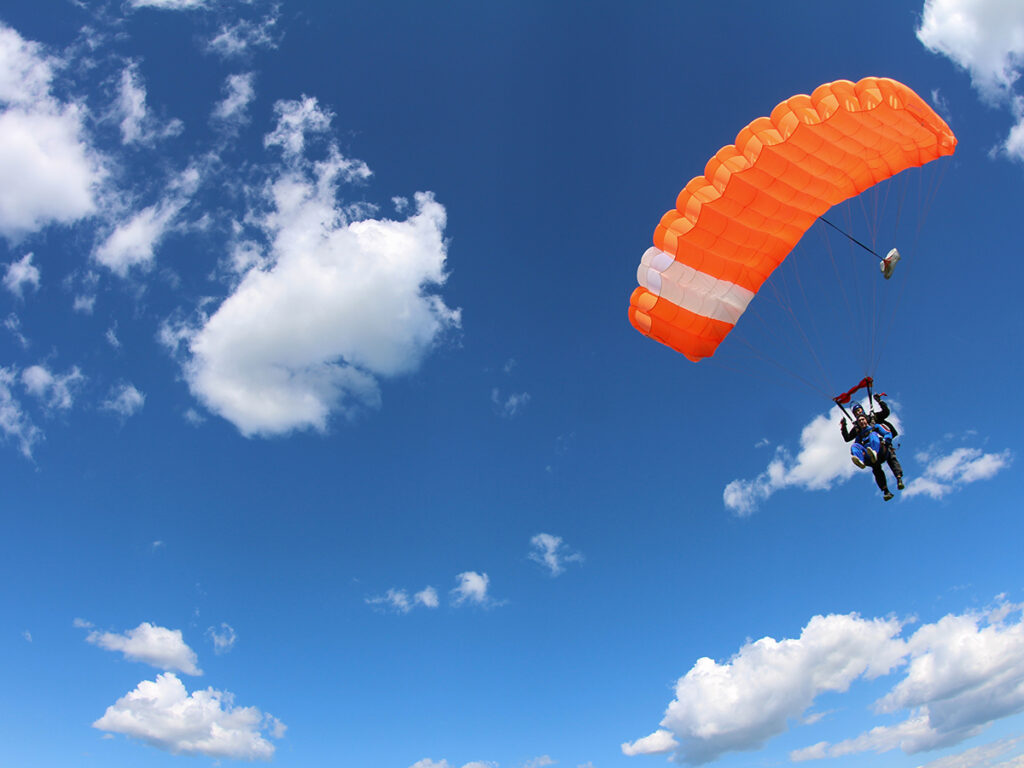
124 400
15 424
223 637
511 404
551 552
399 601
230 112
997 754
56 391
138 126
239 37
134 239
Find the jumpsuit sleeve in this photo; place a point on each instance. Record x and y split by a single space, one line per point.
883 410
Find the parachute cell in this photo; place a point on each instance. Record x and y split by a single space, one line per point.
734 225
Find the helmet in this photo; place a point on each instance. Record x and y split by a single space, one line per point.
858 409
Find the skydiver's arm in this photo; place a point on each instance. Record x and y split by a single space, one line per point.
883 410
847 436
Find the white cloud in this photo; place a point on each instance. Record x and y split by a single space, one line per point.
398 600
539 762
822 461
428 763
57 391
509 405
138 125
986 38
658 743
163 714
133 242
169 5
341 302
472 588
240 37
223 638
958 675
427 597
21 273
740 704
13 324
124 400
84 304
984 756
48 171
157 646
238 94
549 551
14 422
945 473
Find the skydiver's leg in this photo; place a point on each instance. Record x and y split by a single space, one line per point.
894 465
879 473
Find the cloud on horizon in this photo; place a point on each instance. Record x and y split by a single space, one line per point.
957 675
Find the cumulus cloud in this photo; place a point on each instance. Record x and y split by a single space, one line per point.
947 472
550 552
49 172
399 601
428 763
157 646
163 714
822 461
21 273
341 301
986 38
472 588
958 675
124 400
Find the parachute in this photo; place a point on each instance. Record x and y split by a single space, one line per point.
733 226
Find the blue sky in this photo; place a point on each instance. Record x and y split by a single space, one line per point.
326 439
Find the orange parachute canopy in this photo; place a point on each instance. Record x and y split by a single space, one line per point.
735 224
